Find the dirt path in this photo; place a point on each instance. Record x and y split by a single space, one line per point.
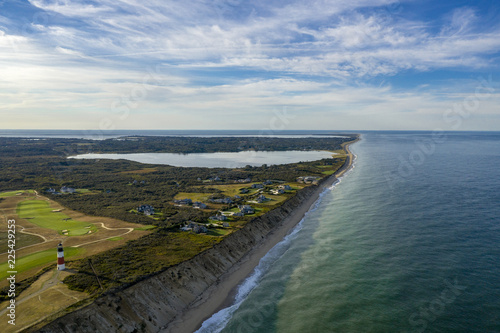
46 285
107 228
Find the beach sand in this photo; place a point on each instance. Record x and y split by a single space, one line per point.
221 295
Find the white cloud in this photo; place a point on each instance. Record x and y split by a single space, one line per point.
309 55
73 8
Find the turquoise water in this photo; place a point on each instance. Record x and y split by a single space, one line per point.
408 241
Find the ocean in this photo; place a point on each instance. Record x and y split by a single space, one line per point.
407 241
110 134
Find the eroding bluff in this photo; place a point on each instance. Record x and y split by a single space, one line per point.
151 304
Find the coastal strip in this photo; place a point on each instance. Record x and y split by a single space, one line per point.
222 294
180 298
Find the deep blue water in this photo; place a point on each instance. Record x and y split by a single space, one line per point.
408 241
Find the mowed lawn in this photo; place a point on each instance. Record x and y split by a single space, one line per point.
13 193
38 259
40 213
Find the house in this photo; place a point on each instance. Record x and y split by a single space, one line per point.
183 202
200 229
278 191
222 201
286 187
66 189
238 214
246 180
244 191
199 205
236 197
50 190
267 182
215 179
186 228
218 217
146 209
261 199
225 225
196 227
246 209
307 179
257 186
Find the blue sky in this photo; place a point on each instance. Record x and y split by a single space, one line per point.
234 64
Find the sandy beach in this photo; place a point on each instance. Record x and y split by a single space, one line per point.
222 294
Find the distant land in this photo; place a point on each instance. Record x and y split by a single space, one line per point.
123 222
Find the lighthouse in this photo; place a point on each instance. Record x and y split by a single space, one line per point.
60 258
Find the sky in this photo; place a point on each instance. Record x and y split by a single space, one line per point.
261 65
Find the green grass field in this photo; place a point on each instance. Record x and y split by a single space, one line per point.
13 193
83 190
218 232
193 196
38 259
146 227
40 213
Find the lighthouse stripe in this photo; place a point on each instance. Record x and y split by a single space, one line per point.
60 260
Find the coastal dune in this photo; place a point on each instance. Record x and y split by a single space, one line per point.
183 296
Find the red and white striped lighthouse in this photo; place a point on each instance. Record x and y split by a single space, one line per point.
60 258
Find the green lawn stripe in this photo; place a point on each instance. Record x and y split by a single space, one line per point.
39 212
37 259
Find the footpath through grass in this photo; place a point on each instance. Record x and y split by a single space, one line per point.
38 259
40 213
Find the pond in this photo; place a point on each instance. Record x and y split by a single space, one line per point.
217 160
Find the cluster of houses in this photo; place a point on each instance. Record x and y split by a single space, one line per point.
218 179
63 190
195 227
187 202
146 209
243 209
260 186
200 228
281 189
307 179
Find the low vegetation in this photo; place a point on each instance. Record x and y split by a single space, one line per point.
116 188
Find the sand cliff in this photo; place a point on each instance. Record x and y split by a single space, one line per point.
153 304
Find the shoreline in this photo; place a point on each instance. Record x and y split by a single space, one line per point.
222 294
